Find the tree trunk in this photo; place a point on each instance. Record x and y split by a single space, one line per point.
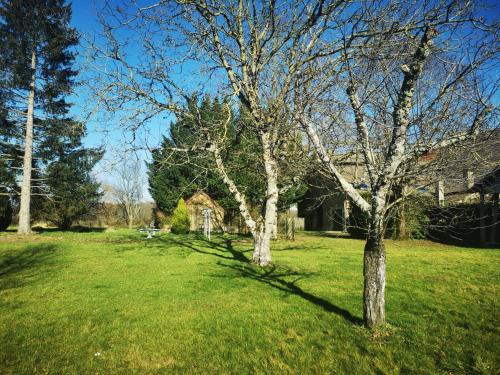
262 251
400 232
374 276
24 210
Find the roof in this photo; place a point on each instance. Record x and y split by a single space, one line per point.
202 194
489 183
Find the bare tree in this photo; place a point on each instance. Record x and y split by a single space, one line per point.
413 79
128 189
248 51
349 74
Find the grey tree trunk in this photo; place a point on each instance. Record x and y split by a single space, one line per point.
374 282
24 210
262 247
374 269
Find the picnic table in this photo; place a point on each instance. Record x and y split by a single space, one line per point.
151 231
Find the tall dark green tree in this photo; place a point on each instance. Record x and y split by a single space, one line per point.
172 177
8 157
36 57
72 192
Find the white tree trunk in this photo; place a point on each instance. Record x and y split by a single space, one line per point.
24 210
262 251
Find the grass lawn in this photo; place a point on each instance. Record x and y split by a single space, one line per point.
114 303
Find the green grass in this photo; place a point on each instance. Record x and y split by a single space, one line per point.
116 303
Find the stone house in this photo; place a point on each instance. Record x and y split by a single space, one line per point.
325 208
199 202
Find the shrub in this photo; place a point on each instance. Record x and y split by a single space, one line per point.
161 220
416 218
5 212
180 218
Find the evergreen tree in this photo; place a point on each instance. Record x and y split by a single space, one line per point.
171 178
5 211
72 192
180 218
36 60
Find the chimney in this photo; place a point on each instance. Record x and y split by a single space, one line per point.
440 193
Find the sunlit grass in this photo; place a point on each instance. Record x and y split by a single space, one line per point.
118 303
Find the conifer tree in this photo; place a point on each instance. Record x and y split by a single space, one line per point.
180 219
36 59
72 192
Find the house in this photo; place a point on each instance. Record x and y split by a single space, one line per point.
324 207
447 174
196 206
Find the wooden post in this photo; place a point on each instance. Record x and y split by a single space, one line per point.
292 214
481 218
494 218
345 220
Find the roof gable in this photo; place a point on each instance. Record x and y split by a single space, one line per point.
202 195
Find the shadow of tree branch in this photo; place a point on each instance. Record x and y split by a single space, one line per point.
272 277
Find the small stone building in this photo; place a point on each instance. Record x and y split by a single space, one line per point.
199 202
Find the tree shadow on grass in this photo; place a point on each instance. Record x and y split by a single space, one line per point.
224 250
23 261
277 278
272 276
73 229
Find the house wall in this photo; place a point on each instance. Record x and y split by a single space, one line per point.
195 207
327 214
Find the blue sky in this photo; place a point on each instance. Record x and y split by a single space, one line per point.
109 134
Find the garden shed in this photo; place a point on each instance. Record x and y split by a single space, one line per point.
197 204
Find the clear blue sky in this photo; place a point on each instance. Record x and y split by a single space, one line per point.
85 21
108 135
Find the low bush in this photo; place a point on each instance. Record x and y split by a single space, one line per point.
180 218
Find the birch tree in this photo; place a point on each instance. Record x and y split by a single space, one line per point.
412 78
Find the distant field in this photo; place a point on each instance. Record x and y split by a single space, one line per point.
115 303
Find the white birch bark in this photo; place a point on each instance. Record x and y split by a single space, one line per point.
24 210
238 196
262 252
320 150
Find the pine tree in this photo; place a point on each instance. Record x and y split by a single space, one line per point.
36 59
72 192
175 179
